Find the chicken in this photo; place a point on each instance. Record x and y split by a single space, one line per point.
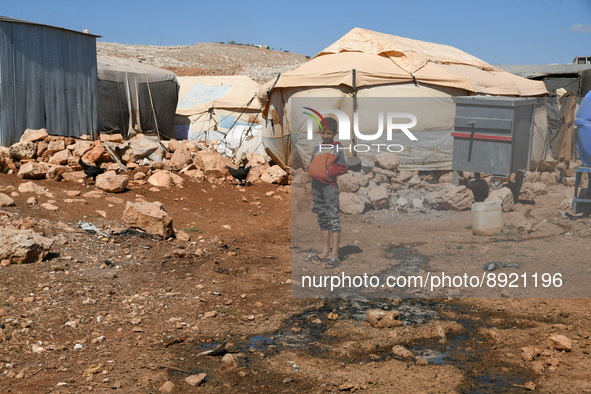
239 174
90 171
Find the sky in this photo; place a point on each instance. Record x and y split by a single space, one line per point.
498 32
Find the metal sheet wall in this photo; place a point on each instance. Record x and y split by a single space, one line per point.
48 80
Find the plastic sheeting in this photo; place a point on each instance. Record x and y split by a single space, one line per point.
132 93
583 122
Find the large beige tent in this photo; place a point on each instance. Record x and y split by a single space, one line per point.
367 64
209 106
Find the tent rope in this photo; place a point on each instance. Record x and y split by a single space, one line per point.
154 113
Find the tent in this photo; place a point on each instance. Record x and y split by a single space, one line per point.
209 106
135 97
365 64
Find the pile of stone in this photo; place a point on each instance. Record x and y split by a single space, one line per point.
387 187
39 155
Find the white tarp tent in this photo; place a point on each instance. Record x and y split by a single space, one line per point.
209 106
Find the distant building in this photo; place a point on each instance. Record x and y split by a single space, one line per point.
48 79
582 60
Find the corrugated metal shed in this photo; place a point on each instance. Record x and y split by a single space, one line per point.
575 78
48 79
534 71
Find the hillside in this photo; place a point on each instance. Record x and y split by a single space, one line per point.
209 59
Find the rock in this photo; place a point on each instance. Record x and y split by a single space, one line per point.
569 181
174 145
405 176
81 147
254 160
504 197
276 175
537 367
177 180
529 353
380 171
6 201
74 176
167 387
381 319
98 154
32 200
559 342
417 203
228 362
456 198
150 217
33 170
23 150
182 236
139 175
31 135
128 157
56 173
115 138
379 197
213 165
23 246
196 174
403 352
351 182
160 179
529 191
196 380
402 204
529 385
532 176
180 159
41 148
30 187
111 182
387 161
526 226
548 177
254 176
353 203
414 181
55 146
381 178
210 314
49 207
566 204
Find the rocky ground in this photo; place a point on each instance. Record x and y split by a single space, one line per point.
111 308
259 64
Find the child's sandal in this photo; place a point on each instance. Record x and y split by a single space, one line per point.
333 263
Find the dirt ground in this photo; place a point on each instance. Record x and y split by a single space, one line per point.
128 313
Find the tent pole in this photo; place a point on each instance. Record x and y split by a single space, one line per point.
354 72
260 110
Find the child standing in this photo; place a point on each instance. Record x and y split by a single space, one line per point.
328 162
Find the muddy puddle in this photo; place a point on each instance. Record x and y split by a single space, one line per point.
312 334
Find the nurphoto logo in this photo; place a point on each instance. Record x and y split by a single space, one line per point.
345 128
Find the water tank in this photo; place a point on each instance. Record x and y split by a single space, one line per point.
583 122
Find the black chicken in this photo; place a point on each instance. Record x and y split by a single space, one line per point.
239 174
91 171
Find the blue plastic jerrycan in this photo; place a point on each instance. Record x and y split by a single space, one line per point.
583 122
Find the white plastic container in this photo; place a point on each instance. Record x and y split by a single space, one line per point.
487 218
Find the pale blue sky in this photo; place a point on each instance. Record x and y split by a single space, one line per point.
502 31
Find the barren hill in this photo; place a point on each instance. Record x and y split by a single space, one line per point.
209 59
